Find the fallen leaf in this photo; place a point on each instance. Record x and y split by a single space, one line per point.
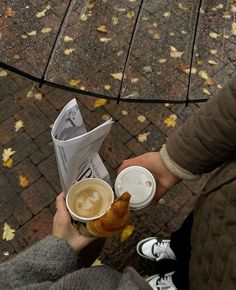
23 181
233 28
46 30
217 7
130 14
213 51
19 124
156 35
193 70
183 7
90 5
117 76
203 74
7 153
32 33
38 96
3 73
172 33
226 36
74 83
170 121
107 87
100 102
219 86
167 14
114 20
97 262
106 117
120 52
8 232
104 39
124 113
212 62
214 35
141 119
147 68
205 91
9 12
127 232
68 51
24 36
102 28
175 53
134 80
162 201
8 163
68 38
233 8
30 94
83 17
143 137
226 15
43 12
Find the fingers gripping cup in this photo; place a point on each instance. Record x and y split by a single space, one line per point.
139 182
89 199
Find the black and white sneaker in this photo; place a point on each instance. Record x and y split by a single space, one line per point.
155 249
161 282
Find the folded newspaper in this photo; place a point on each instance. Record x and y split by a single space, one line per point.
76 149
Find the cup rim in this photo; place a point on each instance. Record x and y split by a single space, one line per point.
81 218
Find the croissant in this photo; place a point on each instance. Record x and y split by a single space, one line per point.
114 220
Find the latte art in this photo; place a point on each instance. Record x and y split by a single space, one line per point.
89 203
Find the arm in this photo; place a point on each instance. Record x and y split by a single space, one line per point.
48 260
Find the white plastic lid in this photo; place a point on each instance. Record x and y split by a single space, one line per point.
139 182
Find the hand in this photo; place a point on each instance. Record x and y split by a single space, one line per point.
63 228
152 161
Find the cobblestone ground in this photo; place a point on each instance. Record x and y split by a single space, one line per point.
29 210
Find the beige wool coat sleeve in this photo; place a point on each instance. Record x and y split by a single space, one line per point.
208 138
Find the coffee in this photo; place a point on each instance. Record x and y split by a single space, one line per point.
89 198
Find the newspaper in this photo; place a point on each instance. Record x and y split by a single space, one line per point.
76 149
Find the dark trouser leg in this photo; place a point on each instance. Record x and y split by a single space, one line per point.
181 246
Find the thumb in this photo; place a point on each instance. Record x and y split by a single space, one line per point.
60 203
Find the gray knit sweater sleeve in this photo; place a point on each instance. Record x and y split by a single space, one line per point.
48 260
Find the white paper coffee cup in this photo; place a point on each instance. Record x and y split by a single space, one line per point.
99 187
139 182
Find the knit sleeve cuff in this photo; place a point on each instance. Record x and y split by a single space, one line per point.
174 168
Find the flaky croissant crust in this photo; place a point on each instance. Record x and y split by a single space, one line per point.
114 220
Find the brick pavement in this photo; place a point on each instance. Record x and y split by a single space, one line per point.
30 210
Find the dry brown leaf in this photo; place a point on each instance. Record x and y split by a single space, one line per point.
23 181
9 12
102 28
8 232
90 6
18 124
143 137
127 232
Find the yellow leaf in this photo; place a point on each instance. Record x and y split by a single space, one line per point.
46 30
193 70
203 74
114 20
217 7
130 14
214 35
171 121
213 51
117 76
162 201
32 33
30 94
124 113
38 96
219 86
68 38
104 39
143 137
106 117
162 60
212 62
8 163
141 119
100 102
43 12
9 12
127 232
8 232
83 17
74 83
97 262
7 153
233 8
18 124
134 80
102 28
107 87
175 53
167 14
3 73
233 28
182 7
205 91
23 181
68 51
